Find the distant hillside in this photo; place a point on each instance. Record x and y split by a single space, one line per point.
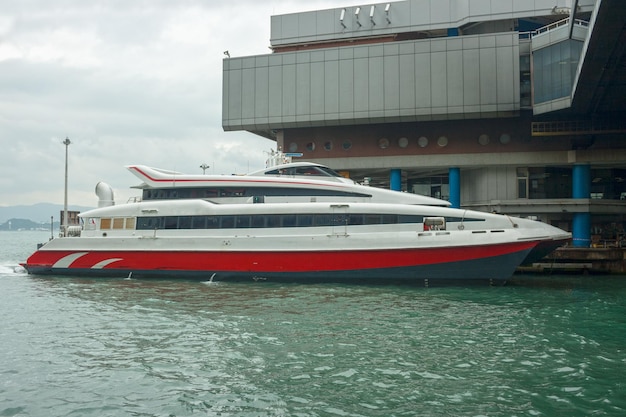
38 213
24 224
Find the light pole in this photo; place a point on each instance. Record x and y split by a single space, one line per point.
204 168
66 142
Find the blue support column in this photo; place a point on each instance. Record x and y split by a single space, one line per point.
581 223
395 179
454 181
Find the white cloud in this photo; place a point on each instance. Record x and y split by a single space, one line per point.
129 82
68 46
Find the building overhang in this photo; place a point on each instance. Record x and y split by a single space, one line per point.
600 86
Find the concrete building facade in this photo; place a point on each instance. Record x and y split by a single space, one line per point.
512 106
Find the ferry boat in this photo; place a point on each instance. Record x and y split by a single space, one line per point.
290 222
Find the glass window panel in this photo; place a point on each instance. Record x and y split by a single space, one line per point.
355 219
323 220
227 222
184 222
289 220
243 221
273 220
171 222
198 222
212 222
305 220
258 221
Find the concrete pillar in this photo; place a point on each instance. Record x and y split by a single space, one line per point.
395 179
581 223
454 181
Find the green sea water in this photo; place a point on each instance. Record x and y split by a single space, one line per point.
547 346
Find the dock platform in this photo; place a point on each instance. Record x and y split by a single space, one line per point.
580 261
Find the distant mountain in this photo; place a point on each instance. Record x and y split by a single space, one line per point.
24 224
38 213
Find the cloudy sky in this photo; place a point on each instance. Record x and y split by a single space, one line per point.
128 82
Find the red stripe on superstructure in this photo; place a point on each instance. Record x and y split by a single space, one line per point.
281 261
189 180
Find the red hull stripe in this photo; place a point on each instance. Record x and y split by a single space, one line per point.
283 261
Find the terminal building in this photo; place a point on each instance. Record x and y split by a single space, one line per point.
511 106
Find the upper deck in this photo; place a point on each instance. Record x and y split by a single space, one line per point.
285 183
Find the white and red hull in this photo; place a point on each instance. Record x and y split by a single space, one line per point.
384 252
476 262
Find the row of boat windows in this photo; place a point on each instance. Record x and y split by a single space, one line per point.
270 221
319 171
279 220
258 192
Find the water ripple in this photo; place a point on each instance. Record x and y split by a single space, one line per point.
161 348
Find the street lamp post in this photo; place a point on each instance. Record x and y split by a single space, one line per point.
66 142
204 168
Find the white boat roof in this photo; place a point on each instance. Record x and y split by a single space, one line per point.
290 175
285 173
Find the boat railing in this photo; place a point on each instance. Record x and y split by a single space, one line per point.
555 25
279 157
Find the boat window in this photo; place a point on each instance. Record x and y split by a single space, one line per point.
227 222
410 218
305 220
243 222
274 221
463 219
171 222
90 223
308 171
314 170
371 219
289 220
258 222
239 192
118 223
149 223
198 222
87 221
184 222
212 222
256 192
330 172
355 219
130 223
105 223
389 219
340 219
323 220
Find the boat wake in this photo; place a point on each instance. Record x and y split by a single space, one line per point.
12 269
210 281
